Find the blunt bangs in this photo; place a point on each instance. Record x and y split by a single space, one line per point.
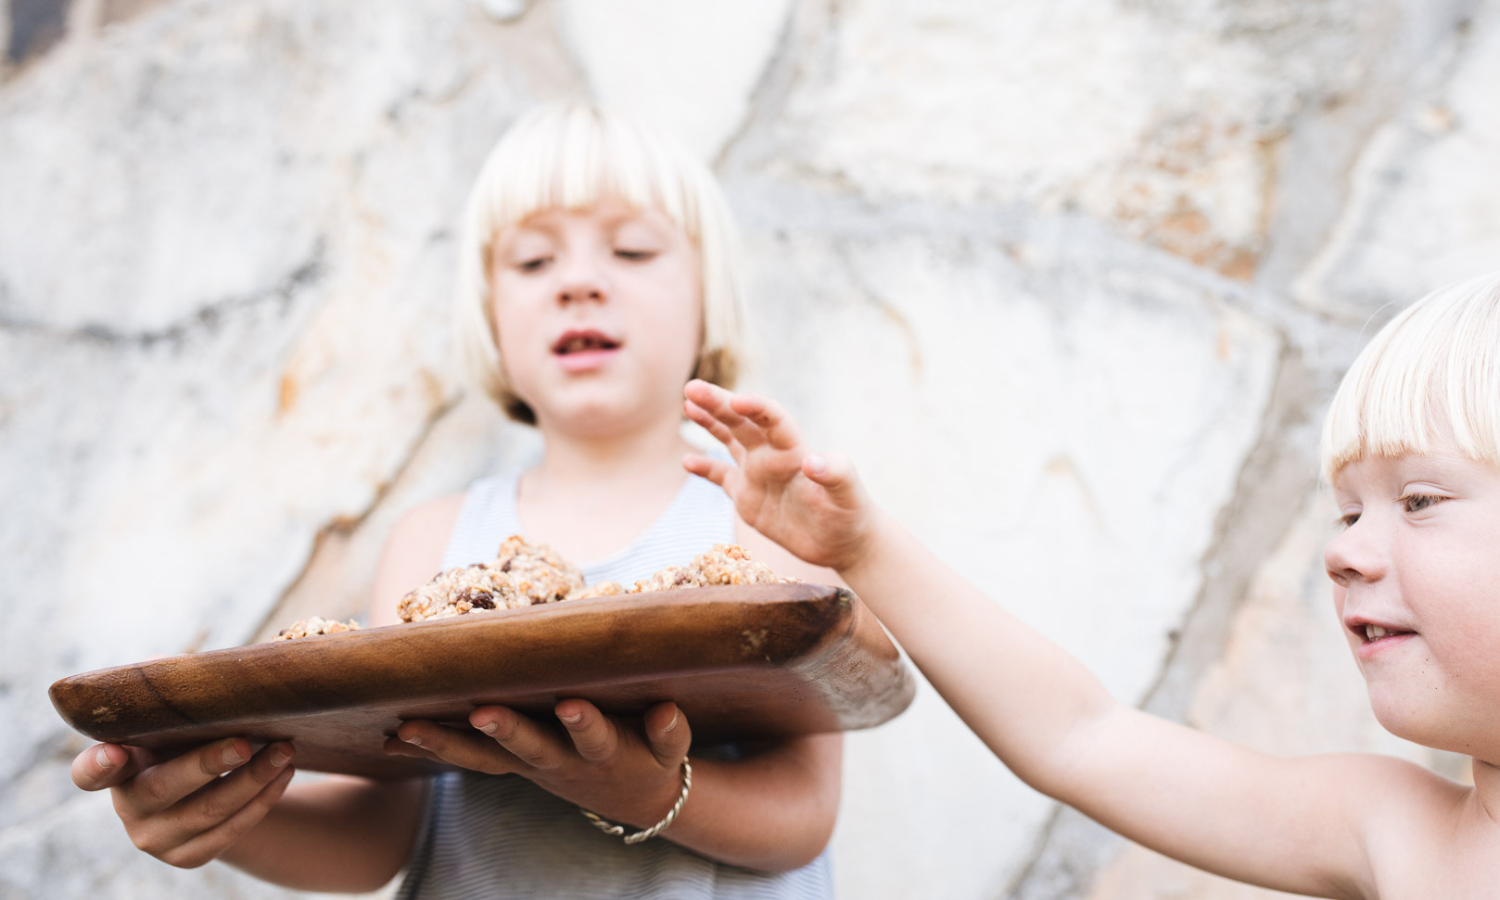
1428 382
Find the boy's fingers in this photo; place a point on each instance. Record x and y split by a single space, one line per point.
668 733
710 424
717 403
594 734
208 845
767 415
715 470
157 787
835 474
522 737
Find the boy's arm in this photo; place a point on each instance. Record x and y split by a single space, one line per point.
1293 825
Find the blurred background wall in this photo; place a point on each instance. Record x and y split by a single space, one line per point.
1072 281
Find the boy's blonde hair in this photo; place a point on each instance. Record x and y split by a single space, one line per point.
1428 382
572 156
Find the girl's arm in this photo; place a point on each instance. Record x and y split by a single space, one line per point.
220 801
1292 825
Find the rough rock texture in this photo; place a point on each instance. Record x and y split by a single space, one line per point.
1073 283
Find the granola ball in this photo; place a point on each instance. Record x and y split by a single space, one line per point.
602 589
457 592
521 574
535 571
315 625
724 564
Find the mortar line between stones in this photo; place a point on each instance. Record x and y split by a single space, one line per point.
349 525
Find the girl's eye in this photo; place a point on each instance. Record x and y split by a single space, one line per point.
1414 503
533 265
635 255
1347 520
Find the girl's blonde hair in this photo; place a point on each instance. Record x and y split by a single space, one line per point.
1428 382
572 156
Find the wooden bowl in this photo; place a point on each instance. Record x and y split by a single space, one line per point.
741 661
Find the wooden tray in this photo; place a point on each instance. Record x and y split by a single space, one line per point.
741 661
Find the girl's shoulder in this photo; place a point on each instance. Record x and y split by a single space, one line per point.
413 553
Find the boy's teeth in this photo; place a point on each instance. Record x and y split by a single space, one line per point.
1374 632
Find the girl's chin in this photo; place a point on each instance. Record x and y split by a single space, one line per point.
599 414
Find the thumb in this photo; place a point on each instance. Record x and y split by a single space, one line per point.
668 733
835 474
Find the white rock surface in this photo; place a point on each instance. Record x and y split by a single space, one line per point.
1065 279
685 66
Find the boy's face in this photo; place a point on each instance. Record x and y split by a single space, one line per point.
598 314
1416 577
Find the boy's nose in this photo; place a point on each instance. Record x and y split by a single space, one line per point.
1354 556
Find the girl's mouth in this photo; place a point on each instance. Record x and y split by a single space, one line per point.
583 341
583 350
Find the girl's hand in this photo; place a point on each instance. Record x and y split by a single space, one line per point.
188 809
593 760
812 504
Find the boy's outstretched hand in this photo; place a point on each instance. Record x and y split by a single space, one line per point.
812 504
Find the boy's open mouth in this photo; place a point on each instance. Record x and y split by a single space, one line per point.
582 341
1370 633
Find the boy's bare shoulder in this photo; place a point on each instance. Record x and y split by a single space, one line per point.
1406 815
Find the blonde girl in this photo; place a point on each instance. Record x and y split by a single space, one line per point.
598 274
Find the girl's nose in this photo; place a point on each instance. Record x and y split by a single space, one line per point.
580 280
1355 555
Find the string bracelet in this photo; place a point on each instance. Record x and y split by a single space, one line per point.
618 830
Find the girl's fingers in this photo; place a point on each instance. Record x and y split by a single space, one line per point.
394 746
210 844
668 733
220 800
533 745
157 787
102 766
594 734
464 749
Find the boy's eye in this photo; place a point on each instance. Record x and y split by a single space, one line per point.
1347 520
536 264
635 255
1414 503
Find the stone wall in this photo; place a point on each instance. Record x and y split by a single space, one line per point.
1072 281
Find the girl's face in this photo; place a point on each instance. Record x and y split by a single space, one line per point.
599 316
1416 577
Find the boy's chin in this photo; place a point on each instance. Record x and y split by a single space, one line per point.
1426 724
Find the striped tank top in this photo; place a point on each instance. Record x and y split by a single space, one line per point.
494 836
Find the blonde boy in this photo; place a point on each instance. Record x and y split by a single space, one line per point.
1412 450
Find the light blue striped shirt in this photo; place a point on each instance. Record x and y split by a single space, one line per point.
489 836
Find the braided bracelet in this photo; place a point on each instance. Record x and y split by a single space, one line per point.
617 830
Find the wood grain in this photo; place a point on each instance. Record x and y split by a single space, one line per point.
742 661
